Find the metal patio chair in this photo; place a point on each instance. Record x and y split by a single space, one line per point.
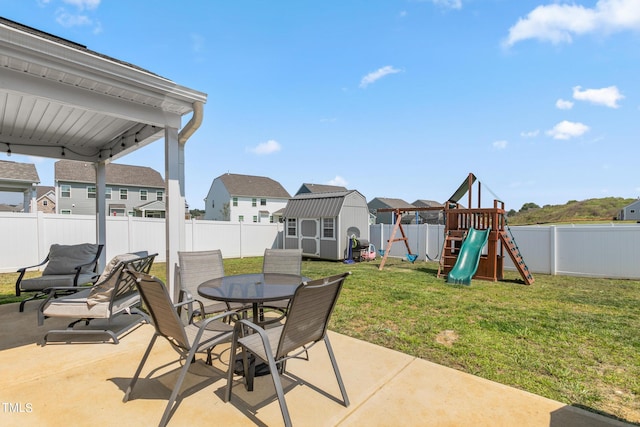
194 268
66 265
185 340
306 324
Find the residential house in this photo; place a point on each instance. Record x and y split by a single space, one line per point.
319 188
46 199
20 178
429 217
630 212
130 190
389 203
234 197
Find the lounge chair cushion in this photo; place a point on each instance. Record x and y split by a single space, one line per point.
76 306
63 259
44 282
102 291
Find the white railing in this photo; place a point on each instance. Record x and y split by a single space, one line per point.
581 250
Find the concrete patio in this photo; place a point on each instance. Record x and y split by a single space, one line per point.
83 384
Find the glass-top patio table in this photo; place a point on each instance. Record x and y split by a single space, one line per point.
254 289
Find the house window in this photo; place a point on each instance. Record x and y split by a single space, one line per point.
159 196
263 202
124 193
292 229
328 228
91 192
65 211
240 218
44 203
235 201
632 211
65 191
143 194
107 193
254 203
255 218
271 219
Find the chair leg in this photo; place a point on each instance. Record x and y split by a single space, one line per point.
334 363
176 388
277 383
232 363
137 374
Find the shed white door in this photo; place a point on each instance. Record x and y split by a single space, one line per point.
310 236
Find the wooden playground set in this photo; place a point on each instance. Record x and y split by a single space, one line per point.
459 222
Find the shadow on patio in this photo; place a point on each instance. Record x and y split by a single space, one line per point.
80 384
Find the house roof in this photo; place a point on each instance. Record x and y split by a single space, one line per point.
116 174
314 205
249 185
10 208
392 203
154 205
43 190
20 172
319 188
422 203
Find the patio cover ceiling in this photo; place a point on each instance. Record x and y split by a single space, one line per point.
59 99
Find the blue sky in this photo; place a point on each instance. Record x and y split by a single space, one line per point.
398 98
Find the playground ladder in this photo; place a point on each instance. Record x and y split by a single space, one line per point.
516 256
446 253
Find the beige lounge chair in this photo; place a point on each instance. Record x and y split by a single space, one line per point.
186 340
67 265
108 309
305 325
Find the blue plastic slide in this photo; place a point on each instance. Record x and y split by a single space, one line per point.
469 257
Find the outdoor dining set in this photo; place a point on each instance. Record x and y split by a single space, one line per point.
266 317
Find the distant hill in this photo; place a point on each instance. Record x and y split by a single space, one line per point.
605 209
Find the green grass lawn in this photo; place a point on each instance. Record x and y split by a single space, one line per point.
575 340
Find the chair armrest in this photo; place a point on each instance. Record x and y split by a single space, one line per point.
23 270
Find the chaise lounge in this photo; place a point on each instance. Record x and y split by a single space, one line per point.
108 309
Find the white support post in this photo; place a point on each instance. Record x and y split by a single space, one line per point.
101 211
174 201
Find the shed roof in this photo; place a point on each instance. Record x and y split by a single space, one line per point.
116 174
315 205
249 185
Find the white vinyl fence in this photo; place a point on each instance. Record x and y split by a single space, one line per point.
582 250
608 250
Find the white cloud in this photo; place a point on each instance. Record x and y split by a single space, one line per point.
70 20
197 43
83 4
568 130
500 145
530 133
338 180
559 23
607 96
450 4
563 104
268 147
378 74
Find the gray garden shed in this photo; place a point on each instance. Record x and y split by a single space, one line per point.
321 224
